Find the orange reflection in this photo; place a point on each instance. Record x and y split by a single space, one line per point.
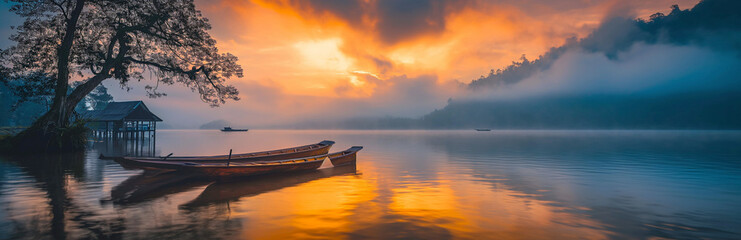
373 204
470 209
369 203
312 208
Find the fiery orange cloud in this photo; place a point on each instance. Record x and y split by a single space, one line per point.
346 55
316 48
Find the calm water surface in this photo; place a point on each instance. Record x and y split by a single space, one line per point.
407 184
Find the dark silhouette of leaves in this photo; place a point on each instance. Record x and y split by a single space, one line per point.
123 40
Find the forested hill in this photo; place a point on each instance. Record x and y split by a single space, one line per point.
714 24
681 70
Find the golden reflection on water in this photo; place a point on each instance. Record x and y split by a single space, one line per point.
314 208
375 205
365 203
382 198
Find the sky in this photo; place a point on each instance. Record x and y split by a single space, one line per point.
314 60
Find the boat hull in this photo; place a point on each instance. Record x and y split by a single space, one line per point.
232 169
347 157
229 172
321 148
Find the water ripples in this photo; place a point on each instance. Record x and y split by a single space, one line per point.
407 184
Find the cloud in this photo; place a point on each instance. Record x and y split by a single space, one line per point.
351 11
395 21
392 21
269 105
677 71
317 58
453 40
644 69
399 20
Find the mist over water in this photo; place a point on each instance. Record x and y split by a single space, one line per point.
407 184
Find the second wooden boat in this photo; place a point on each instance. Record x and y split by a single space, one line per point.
346 157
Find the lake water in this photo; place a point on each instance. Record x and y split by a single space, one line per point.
407 184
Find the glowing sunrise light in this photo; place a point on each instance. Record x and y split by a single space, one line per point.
324 54
367 73
355 81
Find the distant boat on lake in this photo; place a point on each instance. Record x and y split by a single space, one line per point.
482 129
230 129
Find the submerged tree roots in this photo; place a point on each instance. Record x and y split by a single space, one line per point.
36 140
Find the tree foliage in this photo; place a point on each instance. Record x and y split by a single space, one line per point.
123 40
94 40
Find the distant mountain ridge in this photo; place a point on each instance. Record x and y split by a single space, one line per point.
705 110
215 124
680 111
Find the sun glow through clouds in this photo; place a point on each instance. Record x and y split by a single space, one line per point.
324 54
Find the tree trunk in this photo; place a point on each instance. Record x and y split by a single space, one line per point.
58 113
47 131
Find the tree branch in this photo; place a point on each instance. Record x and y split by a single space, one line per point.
81 91
191 73
63 57
61 8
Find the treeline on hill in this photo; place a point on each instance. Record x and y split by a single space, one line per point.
22 101
23 115
699 110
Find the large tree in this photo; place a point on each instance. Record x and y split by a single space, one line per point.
95 40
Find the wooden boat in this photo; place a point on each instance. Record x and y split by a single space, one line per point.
345 157
230 129
280 154
482 129
231 169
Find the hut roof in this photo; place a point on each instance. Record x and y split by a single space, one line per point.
124 111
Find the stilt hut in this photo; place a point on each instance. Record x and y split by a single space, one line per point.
127 120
